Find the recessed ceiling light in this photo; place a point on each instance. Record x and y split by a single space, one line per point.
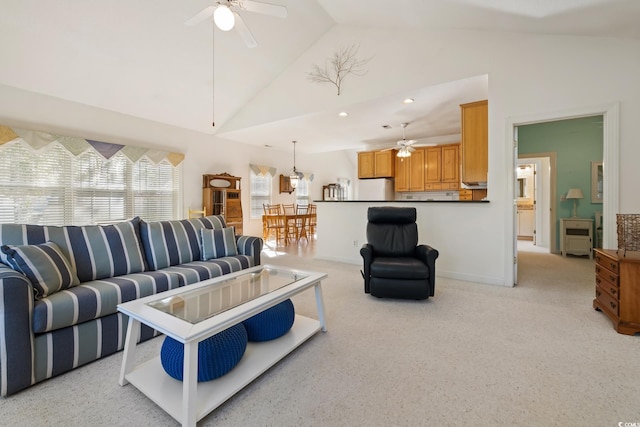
408 100
343 114
386 127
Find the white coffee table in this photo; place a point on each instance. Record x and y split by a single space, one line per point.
193 313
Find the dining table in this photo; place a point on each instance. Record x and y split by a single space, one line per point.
295 225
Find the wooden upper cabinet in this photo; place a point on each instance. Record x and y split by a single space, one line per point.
403 166
475 142
433 162
366 167
450 163
416 170
376 164
384 163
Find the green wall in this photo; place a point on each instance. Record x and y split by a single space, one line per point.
577 143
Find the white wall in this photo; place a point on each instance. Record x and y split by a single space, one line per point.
529 75
203 153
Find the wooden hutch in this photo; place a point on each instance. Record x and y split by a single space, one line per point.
221 196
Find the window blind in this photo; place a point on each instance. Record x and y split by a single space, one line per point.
52 186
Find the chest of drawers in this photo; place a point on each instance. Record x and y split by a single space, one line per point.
618 289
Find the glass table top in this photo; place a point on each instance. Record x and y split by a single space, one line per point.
199 304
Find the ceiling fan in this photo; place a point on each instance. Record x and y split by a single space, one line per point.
225 15
404 146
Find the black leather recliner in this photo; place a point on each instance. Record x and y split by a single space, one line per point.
395 266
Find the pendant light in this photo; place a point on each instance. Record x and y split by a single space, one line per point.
294 176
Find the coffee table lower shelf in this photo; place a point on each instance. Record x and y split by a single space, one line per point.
151 379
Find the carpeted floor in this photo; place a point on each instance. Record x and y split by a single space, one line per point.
533 355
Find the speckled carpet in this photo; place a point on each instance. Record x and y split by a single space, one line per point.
533 355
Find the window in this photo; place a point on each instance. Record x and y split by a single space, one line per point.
52 186
261 185
302 192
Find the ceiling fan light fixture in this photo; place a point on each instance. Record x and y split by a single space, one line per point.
223 17
403 152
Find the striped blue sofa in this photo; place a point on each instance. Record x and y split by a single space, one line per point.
59 286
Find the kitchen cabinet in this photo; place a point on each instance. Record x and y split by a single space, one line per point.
526 221
441 168
403 166
466 195
416 170
376 164
475 142
221 196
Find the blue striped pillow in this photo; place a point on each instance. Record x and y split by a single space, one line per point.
217 243
46 267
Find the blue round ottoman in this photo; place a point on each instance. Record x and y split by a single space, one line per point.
217 355
272 323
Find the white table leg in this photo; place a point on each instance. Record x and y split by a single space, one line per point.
190 384
129 354
320 305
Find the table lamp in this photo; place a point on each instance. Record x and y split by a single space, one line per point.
575 194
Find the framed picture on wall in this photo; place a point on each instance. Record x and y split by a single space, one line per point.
596 182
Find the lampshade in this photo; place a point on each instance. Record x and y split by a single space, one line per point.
223 17
575 193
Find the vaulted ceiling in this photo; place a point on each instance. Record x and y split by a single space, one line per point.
139 59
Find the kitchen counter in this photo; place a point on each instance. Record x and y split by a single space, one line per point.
402 201
459 233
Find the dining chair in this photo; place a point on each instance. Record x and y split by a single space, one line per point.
302 217
311 222
194 213
273 224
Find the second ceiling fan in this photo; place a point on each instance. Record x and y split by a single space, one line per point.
225 15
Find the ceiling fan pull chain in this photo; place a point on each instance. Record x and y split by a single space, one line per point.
213 72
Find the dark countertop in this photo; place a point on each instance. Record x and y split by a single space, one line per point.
401 201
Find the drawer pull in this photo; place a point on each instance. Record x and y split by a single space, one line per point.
613 266
613 291
598 293
613 278
612 304
598 280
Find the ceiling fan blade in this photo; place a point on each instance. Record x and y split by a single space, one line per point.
245 33
206 13
264 8
410 149
387 149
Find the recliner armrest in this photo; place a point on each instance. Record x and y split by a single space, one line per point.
367 257
428 255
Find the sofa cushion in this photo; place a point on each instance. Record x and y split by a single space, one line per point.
217 243
168 243
46 267
95 251
197 271
97 298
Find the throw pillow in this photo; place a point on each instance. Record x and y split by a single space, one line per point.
44 265
217 243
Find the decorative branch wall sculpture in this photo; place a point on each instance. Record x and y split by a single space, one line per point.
340 65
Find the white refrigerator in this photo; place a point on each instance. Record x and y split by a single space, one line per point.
375 189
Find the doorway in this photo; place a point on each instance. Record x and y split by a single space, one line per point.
610 151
